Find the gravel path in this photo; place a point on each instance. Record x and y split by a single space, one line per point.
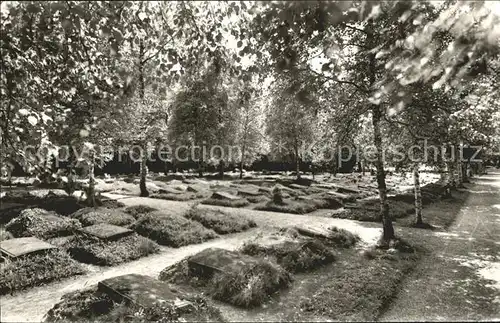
460 280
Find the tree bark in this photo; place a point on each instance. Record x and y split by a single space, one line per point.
388 229
460 174
297 162
418 195
242 160
144 171
91 191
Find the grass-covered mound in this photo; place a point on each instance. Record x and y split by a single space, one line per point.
137 210
41 224
185 196
294 256
88 249
93 305
360 287
369 210
91 216
220 222
289 206
242 202
171 229
37 269
257 199
250 287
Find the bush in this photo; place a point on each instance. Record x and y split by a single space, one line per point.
219 221
34 222
292 255
171 229
229 203
91 216
137 210
37 269
289 206
251 286
88 249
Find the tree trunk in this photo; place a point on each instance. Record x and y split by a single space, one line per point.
388 229
221 169
460 174
418 196
297 162
242 161
91 190
144 171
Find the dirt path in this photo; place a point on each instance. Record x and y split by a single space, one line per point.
31 305
460 279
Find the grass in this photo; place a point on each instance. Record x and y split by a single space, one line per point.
220 222
441 214
88 249
229 203
294 256
369 211
91 216
137 210
289 206
361 287
250 287
171 229
37 269
93 305
34 222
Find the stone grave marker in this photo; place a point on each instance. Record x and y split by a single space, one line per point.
105 231
224 196
140 290
18 247
265 190
213 260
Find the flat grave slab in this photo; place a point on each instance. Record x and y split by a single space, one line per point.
224 196
313 231
213 260
106 231
22 246
265 190
140 290
360 207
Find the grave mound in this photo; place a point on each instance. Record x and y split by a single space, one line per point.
42 224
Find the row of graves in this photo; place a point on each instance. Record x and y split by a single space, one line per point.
191 289
284 196
47 237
